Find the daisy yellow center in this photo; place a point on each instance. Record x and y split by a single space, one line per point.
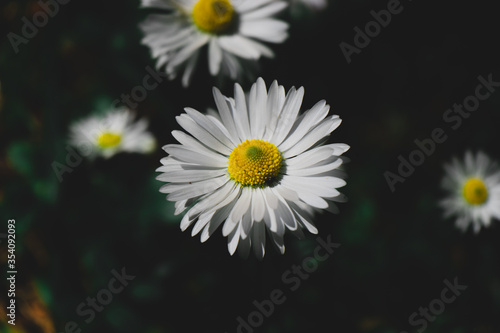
213 16
108 140
255 163
475 192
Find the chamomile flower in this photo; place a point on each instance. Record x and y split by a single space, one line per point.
255 165
232 30
112 133
474 191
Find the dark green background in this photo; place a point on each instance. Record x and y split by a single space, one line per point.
396 249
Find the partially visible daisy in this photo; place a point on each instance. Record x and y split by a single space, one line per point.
474 191
112 133
255 166
233 31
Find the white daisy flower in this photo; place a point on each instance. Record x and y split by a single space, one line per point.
474 187
233 30
112 133
256 165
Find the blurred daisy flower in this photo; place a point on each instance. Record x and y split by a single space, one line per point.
112 133
474 191
255 165
233 30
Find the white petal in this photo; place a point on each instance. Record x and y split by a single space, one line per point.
339 148
188 51
240 112
233 240
246 225
258 205
244 247
285 217
259 240
311 118
275 101
279 241
313 200
240 208
188 141
187 191
265 11
245 6
231 65
238 45
203 220
188 71
257 101
225 113
202 134
310 157
287 193
189 155
321 186
316 169
260 48
222 196
214 56
187 220
194 175
180 206
309 225
270 198
287 117
219 217
204 122
314 136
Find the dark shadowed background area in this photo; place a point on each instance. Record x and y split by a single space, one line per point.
107 218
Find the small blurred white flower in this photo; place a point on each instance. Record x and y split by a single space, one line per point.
110 134
474 188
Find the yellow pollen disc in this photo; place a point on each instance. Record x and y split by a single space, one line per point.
475 192
213 16
108 140
255 163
